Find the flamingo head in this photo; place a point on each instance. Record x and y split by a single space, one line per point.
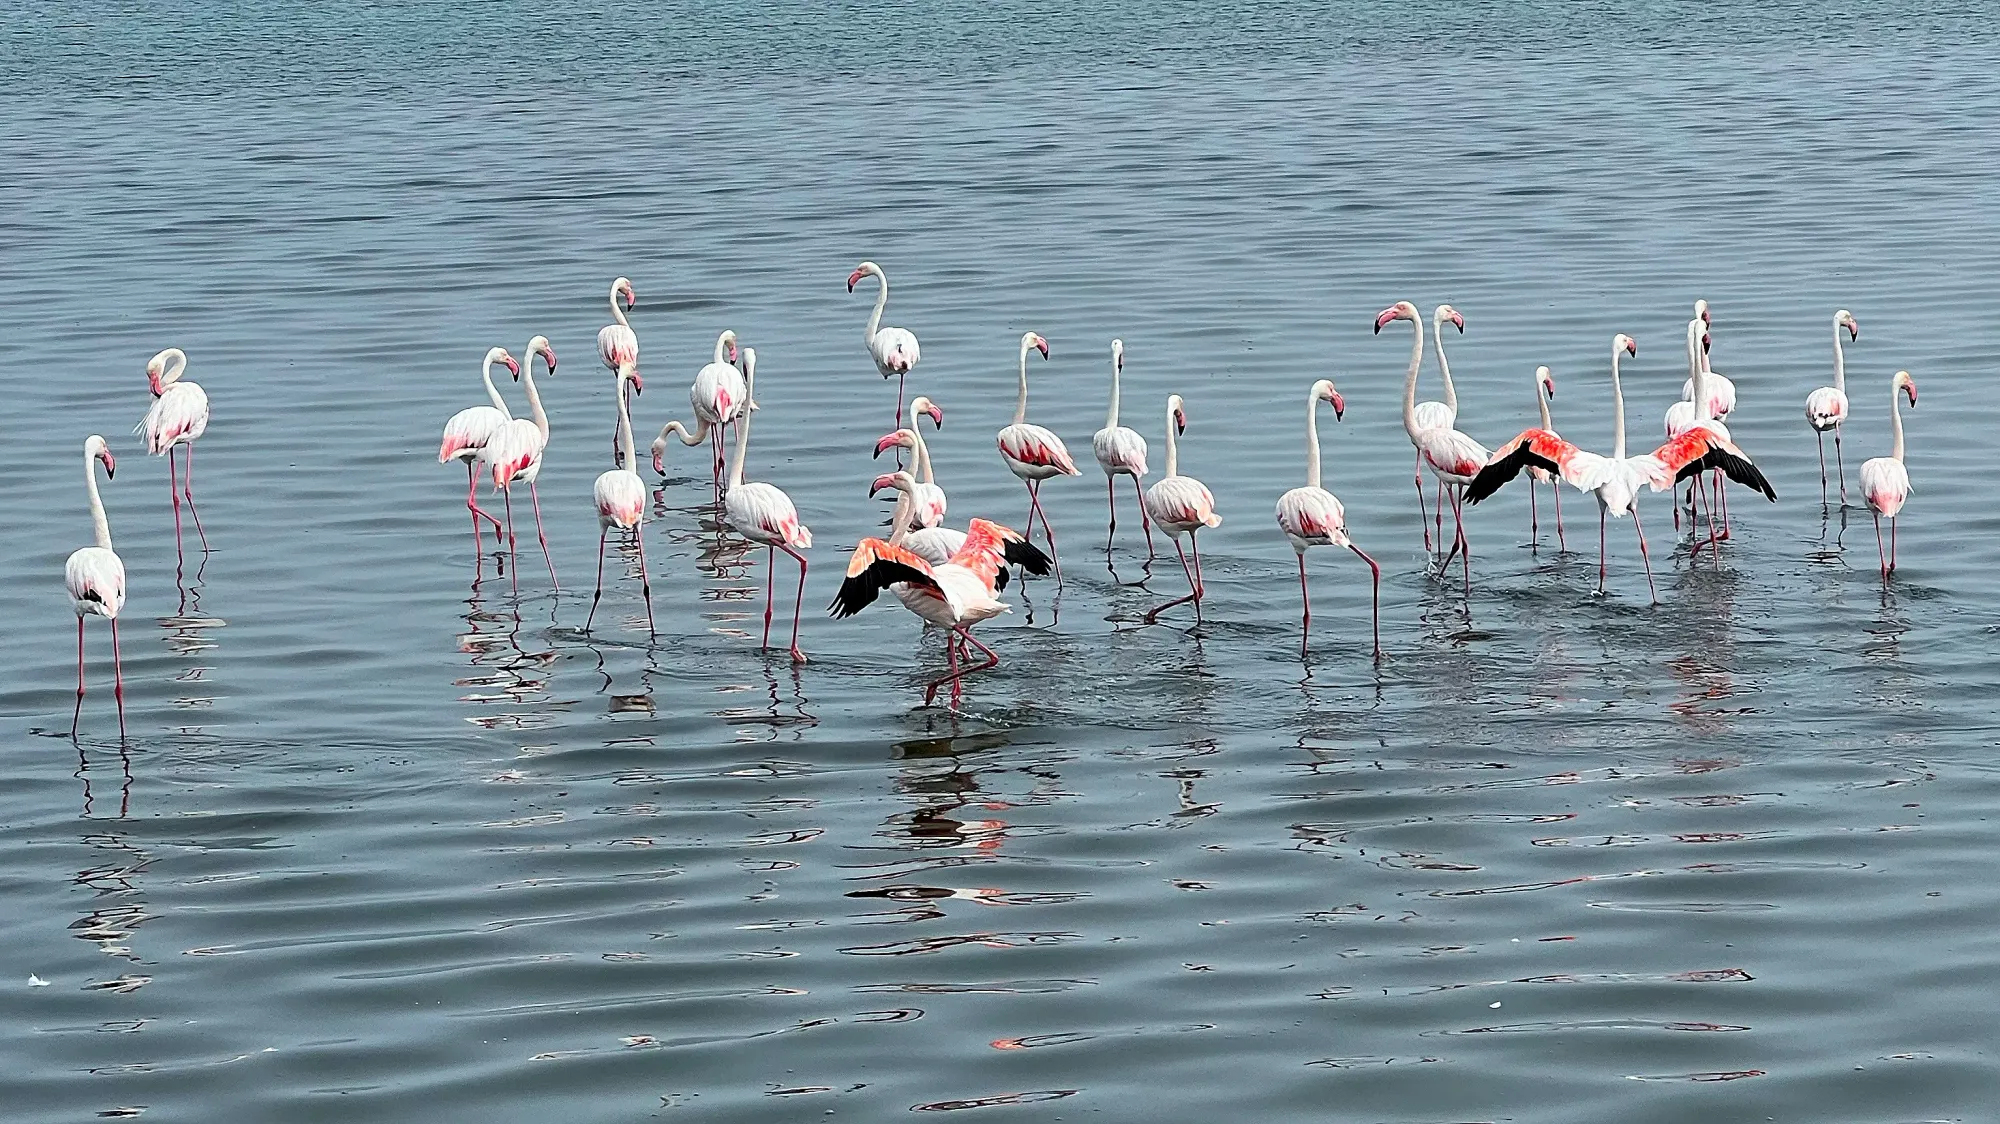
902 438
621 290
540 346
1546 379
94 446
629 373
923 405
501 356
1031 339
1701 311
901 481
1401 310
1178 411
159 373
1323 391
1903 382
860 271
1624 343
1448 314
1845 319
1118 355
660 455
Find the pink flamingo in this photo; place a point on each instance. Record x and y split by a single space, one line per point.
1721 390
1885 483
1698 412
1826 408
716 395
894 350
96 580
927 511
1181 505
1431 415
467 432
514 455
1451 456
764 514
617 343
621 500
1312 516
178 416
675 429
1034 454
954 595
1614 480
1121 451
1545 392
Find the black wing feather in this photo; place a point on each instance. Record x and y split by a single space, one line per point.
1503 469
1737 468
1019 552
861 590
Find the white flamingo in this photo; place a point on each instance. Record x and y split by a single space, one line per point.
1312 516
178 416
1721 390
1545 392
617 343
621 499
467 432
716 395
513 455
1451 456
894 350
928 506
1034 453
1181 505
1697 411
763 514
1826 408
1885 483
1121 451
96 580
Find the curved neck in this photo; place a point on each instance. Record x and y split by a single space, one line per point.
493 392
722 343
1173 445
1410 380
535 398
881 302
1895 426
676 430
1444 372
1617 412
1021 402
1839 361
625 441
901 518
1111 418
617 310
1542 401
743 416
176 367
103 526
1695 373
923 453
1312 441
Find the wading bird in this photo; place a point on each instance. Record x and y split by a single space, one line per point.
96 580
1826 408
621 499
764 514
617 343
468 431
894 350
1034 454
1885 483
1181 505
514 456
1120 451
1312 516
1450 455
716 396
178 416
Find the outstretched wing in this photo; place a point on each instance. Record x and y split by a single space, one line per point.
989 546
874 567
1534 448
1701 449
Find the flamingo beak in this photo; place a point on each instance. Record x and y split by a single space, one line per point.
1042 346
111 466
631 298
638 384
887 480
1458 321
659 462
853 279
732 352
1853 331
888 442
1180 422
1910 389
937 415
1339 405
513 367
1386 315
153 380
1549 385
1632 348
1704 316
549 353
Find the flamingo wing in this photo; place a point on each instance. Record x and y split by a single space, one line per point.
874 567
1033 445
1700 449
617 345
990 546
1534 448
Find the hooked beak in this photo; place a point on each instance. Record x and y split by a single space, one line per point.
1180 422
853 279
732 352
1549 387
660 463
888 442
1704 316
887 480
1386 315
631 300
153 380
111 466
1632 348
550 355
638 384
1339 405
1458 321
1853 331
513 367
1042 346
937 415
1910 389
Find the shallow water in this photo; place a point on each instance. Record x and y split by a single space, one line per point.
388 841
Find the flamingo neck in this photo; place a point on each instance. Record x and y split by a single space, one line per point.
1839 361
1895 426
743 417
493 392
1696 374
102 525
176 366
678 431
1617 412
1173 445
1312 441
1111 418
1444 372
901 518
1021 402
535 397
617 310
722 343
625 441
881 302
1410 379
1542 401
923 453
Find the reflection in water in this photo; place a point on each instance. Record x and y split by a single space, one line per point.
188 636
785 711
117 910
507 674
124 786
1703 629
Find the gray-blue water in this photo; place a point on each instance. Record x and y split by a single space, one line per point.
386 844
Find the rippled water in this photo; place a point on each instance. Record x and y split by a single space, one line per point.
386 843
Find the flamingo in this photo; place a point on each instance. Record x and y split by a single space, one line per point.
1443 413
1885 483
1545 392
1120 451
675 429
1826 407
1696 412
954 595
1705 443
1721 391
96 580
621 499
467 432
617 343
1181 505
514 455
894 350
1312 516
1614 480
762 513
178 416
717 395
928 508
1034 454
1451 456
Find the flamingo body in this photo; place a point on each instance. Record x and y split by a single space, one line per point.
178 416
1120 451
1885 484
764 514
1032 452
1180 504
467 431
96 579
1826 408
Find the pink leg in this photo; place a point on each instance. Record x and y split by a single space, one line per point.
1880 556
1376 572
117 677
1534 515
1154 614
798 604
174 493
1602 515
1644 554
1423 516
1556 488
1438 509
1722 500
478 513
951 665
1821 434
187 489
1840 464
1892 544
1305 599
1461 543
78 716
536 498
1110 501
513 554
598 593
1048 532
1194 547
770 563
1714 511
1144 523
645 583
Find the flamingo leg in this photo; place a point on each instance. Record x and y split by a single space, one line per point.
1880 556
951 667
1154 614
536 498
1306 603
1892 544
1714 509
1840 464
1602 515
992 658
1048 532
1200 587
957 672
1438 508
1644 555
1555 488
187 489
78 716
1534 516
599 591
1722 500
117 677
513 553
770 562
1423 514
1464 544
1145 523
472 501
798 604
174 493
1375 571
1821 434
1110 501
645 583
